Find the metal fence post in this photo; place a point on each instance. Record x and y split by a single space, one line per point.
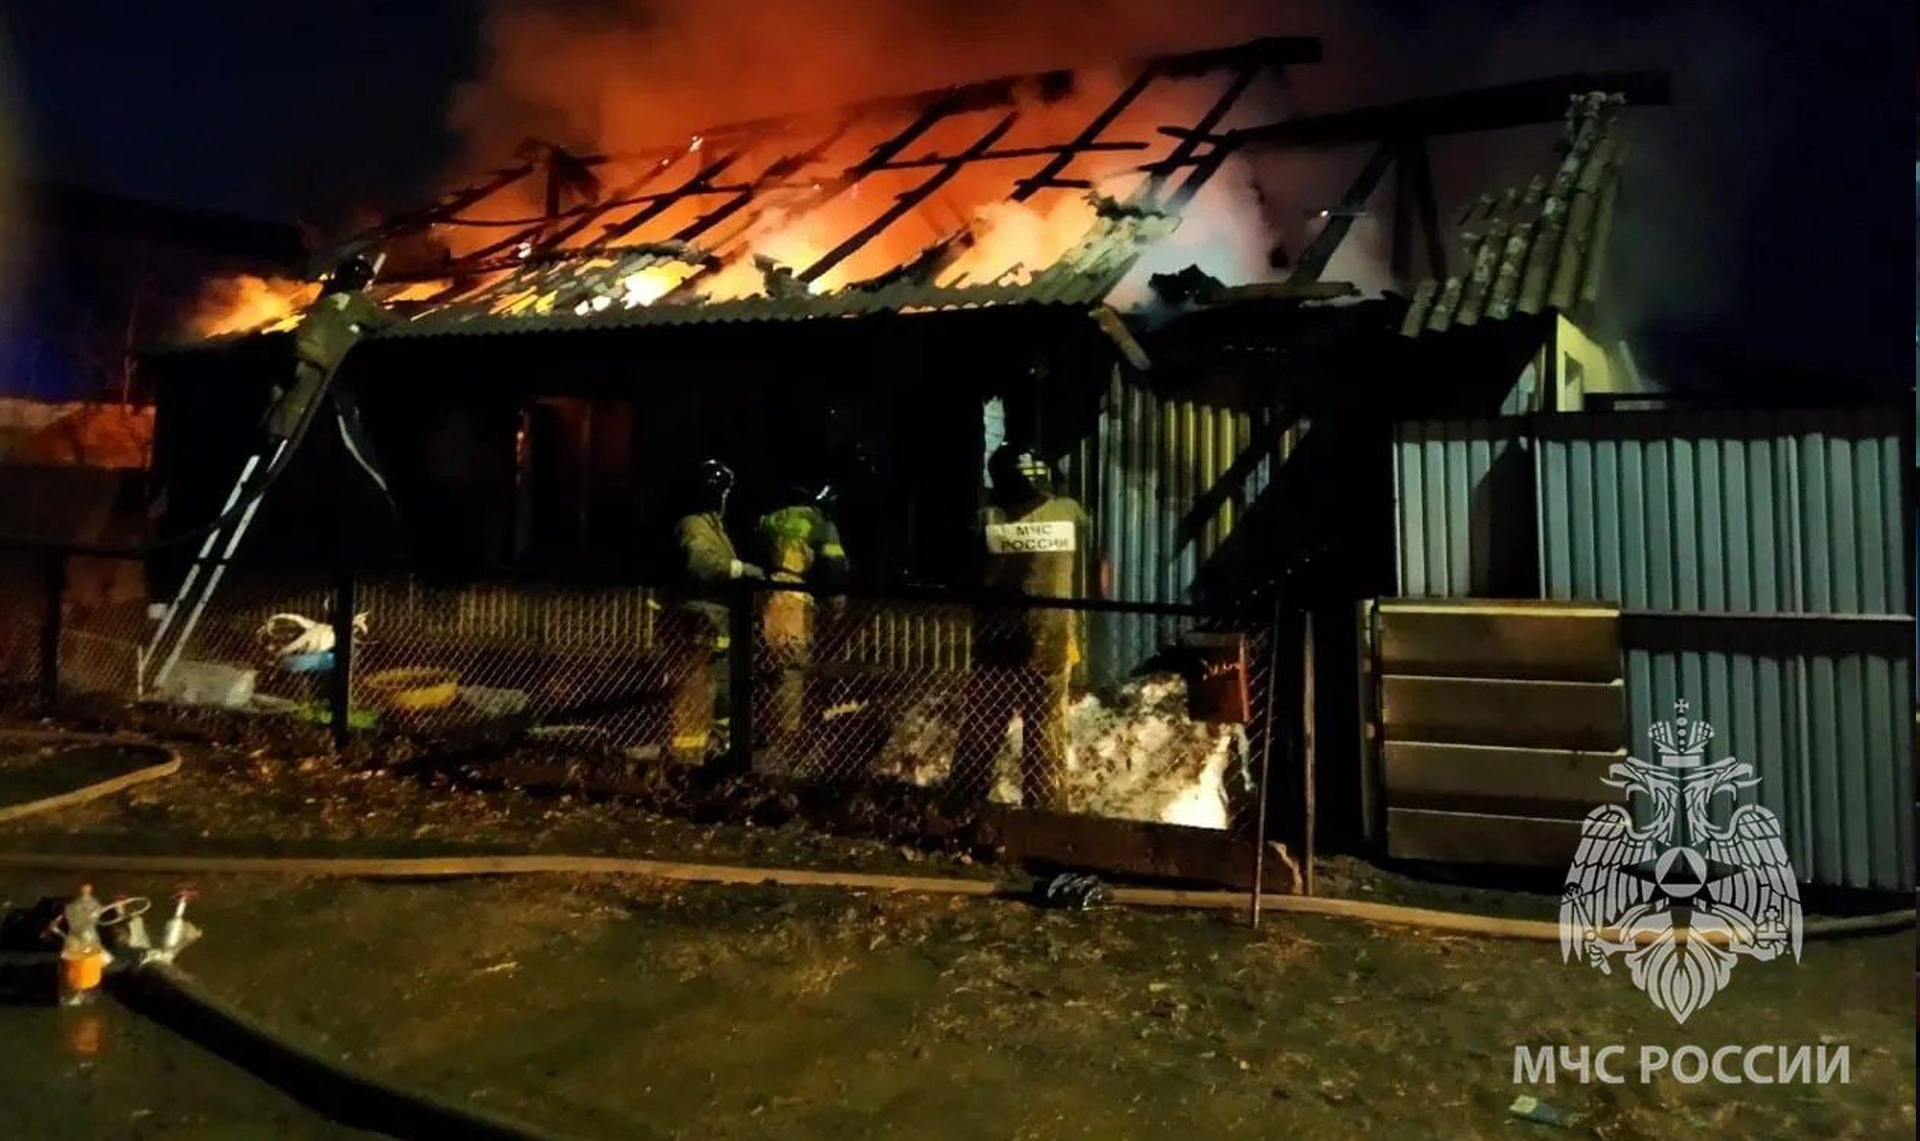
1308 777
340 682
55 585
740 676
1266 761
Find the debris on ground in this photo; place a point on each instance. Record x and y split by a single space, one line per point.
1529 1108
1075 892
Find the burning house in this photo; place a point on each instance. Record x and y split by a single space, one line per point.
880 294
883 292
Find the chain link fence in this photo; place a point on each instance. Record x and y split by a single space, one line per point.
1126 711
1075 708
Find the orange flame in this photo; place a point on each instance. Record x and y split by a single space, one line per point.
243 303
631 77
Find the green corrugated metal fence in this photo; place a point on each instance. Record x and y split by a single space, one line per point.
1764 560
1738 511
1828 729
1155 462
1462 509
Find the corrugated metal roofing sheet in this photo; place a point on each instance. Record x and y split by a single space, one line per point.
1535 247
561 295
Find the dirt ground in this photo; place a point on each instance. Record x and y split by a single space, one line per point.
107 1073
619 1008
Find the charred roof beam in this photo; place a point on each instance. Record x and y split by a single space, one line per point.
1188 151
773 177
1482 109
881 153
533 230
1049 173
701 182
905 203
1207 164
1067 149
1339 220
1270 51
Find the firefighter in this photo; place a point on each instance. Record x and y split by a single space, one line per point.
331 326
698 629
802 547
1035 545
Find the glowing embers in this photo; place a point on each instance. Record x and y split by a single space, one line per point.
1014 240
642 287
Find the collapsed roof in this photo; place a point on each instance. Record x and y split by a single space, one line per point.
1031 190
844 212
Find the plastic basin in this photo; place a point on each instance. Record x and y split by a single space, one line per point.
413 689
308 663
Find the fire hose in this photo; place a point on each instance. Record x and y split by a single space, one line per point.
339 1090
346 1093
466 867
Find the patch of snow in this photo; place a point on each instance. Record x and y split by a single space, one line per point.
1136 756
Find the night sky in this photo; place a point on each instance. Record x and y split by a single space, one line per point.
275 109
1795 153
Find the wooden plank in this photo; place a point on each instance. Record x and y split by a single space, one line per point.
1558 783
1514 642
1481 109
1420 177
1472 838
1280 291
1488 711
1206 164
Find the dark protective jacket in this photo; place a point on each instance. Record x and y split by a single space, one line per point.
335 323
1038 550
707 561
706 553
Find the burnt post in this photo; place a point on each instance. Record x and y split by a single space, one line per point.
340 681
55 586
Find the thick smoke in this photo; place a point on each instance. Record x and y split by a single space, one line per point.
631 74
622 78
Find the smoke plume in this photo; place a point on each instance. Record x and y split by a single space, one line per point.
632 74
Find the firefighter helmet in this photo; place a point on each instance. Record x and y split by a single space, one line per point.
1018 473
819 493
713 481
355 272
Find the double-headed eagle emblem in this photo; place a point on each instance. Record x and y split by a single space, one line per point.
1677 881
